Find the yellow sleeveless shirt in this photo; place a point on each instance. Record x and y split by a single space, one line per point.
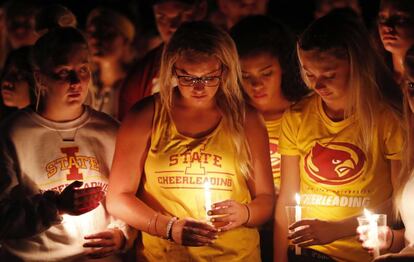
176 169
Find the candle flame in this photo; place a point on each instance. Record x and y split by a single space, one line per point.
297 198
367 213
207 185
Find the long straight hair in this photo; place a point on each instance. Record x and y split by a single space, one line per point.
408 149
343 35
198 39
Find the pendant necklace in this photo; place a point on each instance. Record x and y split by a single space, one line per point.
67 139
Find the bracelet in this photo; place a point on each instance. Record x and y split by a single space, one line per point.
150 222
168 232
155 224
248 214
392 239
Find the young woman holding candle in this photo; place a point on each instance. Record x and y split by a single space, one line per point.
340 147
55 161
399 242
270 81
197 133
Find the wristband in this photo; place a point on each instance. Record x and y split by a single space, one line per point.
168 232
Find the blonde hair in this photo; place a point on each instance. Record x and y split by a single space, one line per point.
407 170
342 35
204 39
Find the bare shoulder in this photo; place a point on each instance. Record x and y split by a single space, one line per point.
254 121
140 116
253 117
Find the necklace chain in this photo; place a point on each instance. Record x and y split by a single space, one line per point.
67 139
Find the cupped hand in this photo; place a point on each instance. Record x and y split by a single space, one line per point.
308 232
104 243
386 235
190 232
230 214
76 201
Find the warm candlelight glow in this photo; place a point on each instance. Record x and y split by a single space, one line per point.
298 217
207 196
372 231
297 198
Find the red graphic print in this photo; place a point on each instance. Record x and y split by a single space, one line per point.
72 162
337 163
274 154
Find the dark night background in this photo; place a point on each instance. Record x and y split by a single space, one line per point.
295 13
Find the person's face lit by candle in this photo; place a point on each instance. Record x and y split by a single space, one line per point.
327 75
262 78
67 80
192 75
396 28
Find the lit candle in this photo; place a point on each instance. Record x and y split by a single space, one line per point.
298 217
372 232
207 197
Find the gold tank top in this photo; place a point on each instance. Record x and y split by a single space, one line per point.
176 171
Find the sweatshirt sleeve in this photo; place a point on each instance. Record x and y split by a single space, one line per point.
23 211
130 233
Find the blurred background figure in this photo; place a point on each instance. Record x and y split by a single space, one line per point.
53 16
20 23
231 11
110 35
3 46
142 80
323 7
396 32
17 83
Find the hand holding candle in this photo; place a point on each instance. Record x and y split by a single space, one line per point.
371 227
207 197
298 217
294 214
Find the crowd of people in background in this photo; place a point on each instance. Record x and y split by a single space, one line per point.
187 141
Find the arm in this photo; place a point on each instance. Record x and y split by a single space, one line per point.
22 214
131 149
23 211
290 184
320 232
127 168
259 182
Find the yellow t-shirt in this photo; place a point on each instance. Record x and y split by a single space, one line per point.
273 129
176 169
338 179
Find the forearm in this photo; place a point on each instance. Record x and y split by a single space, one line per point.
137 214
398 241
260 210
22 217
346 227
280 233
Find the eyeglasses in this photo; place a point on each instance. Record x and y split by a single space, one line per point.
209 81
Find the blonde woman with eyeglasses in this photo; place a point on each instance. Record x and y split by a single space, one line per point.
199 156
